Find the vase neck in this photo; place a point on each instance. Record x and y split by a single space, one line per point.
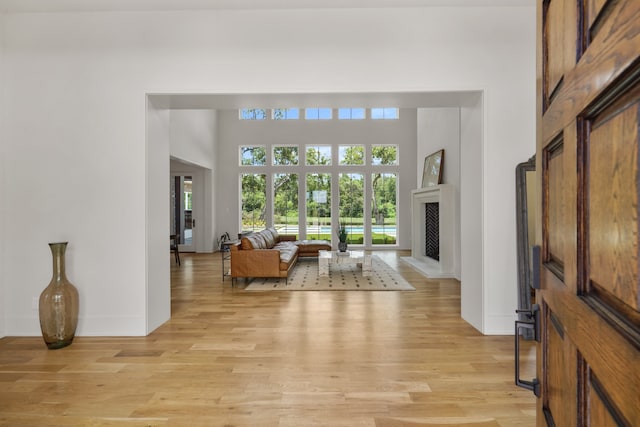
57 252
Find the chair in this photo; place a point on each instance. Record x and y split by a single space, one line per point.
174 247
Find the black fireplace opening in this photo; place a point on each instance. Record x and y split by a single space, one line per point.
432 230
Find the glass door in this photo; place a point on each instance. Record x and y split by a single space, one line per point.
182 220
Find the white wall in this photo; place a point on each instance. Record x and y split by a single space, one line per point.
193 139
158 286
235 133
472 213
74 87
192 136
3 189
439 128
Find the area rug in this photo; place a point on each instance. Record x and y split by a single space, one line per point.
342 277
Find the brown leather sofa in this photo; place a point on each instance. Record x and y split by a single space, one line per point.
269 254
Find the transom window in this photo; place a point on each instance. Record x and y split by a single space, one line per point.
351 113
285 114
317 113
385 113
253 114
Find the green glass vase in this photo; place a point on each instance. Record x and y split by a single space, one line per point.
59 304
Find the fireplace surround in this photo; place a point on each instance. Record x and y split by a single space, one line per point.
433 231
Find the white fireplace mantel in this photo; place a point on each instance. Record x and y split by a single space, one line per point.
444 195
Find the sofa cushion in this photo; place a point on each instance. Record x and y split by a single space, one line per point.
313 245
245 243
256 241
274 233
287 255
268 238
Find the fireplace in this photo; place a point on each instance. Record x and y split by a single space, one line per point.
433 231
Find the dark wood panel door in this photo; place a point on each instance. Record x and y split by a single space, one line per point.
588 163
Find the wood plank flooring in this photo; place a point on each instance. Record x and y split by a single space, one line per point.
287 359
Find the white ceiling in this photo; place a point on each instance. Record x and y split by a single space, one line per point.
112 5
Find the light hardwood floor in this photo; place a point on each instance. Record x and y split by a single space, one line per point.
233 358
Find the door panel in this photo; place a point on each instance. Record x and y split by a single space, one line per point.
588 120
612 194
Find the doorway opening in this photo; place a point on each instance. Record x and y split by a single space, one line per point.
182 220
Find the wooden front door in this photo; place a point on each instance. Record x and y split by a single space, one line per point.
588 162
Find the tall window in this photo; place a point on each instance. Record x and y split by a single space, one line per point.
351 155
318 155
285 114
317 113
318 191
352 205
253 114
285 203
253 155
254 190
384 114
383 208
285 155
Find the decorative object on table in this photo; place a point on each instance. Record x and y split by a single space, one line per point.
59 304
342 237
432 172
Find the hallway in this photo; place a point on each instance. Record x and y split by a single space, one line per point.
234 358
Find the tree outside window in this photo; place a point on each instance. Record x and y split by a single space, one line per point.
351 155
254 155
384 155
318 191
285 155
254 190
318 155
351 205
383 208
285 203
253 114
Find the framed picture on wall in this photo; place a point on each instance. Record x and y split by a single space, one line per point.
432 172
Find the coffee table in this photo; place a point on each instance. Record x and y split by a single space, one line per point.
328 258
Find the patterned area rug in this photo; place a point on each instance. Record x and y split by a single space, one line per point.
342 277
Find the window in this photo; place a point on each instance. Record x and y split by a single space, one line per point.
285 114
253 114
384 113
351 113
383 208
351 205
318 155
318 191
253 155
384 155
351 155
285 155
254 191
317 113
285 203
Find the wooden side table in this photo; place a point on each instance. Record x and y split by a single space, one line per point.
225 252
